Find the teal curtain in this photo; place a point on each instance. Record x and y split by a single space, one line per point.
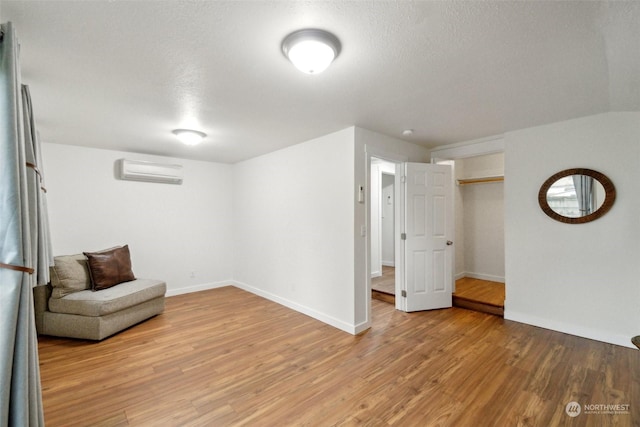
25 254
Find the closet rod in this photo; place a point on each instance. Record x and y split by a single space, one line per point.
480 180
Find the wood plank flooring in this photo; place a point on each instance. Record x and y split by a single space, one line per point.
383 287
481 290
480 295
225 357
473 294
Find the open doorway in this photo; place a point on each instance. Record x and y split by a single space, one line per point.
382 206
423 226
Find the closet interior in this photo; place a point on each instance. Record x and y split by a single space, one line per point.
479 211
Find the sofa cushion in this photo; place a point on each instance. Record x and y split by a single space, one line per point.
109 267
111 300
69 274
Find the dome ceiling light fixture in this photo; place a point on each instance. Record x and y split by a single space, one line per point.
189 136
311 50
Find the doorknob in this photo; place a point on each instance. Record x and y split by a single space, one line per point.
449 243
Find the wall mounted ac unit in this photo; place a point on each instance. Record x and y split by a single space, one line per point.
138 170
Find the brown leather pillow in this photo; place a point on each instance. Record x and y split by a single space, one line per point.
109 267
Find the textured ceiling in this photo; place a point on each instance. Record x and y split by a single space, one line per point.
122 75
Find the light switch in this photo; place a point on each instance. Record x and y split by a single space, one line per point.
361 194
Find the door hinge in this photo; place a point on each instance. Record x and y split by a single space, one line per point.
403 236
403 293
403 179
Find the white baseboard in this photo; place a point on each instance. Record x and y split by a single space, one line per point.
198 288
459 276
483 276
389 263
566 328
361 327
336 323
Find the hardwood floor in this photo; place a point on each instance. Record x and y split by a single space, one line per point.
481 290
473 294
383 288
385 283
227 357
480 295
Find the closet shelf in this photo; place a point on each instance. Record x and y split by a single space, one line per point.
481 180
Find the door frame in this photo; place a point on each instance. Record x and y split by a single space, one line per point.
382 169
382 240
398 196
399 224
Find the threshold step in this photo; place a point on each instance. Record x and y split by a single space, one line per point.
383 296
483 307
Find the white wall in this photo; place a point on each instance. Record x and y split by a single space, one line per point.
483 222
482 166
481 214
293 227
172 230
580 279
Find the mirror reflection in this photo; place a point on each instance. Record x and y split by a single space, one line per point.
575 196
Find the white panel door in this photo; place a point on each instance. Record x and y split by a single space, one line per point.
429 232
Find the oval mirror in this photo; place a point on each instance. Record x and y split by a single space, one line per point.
576 196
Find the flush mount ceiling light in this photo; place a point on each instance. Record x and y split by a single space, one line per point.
189 136
311 50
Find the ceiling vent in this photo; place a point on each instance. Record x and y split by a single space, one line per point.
138 170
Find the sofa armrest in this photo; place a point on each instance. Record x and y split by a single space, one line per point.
41 295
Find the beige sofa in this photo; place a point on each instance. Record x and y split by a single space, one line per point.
68 307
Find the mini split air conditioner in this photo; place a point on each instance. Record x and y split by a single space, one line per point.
138 170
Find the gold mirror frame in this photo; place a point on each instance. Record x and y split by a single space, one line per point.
609 190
